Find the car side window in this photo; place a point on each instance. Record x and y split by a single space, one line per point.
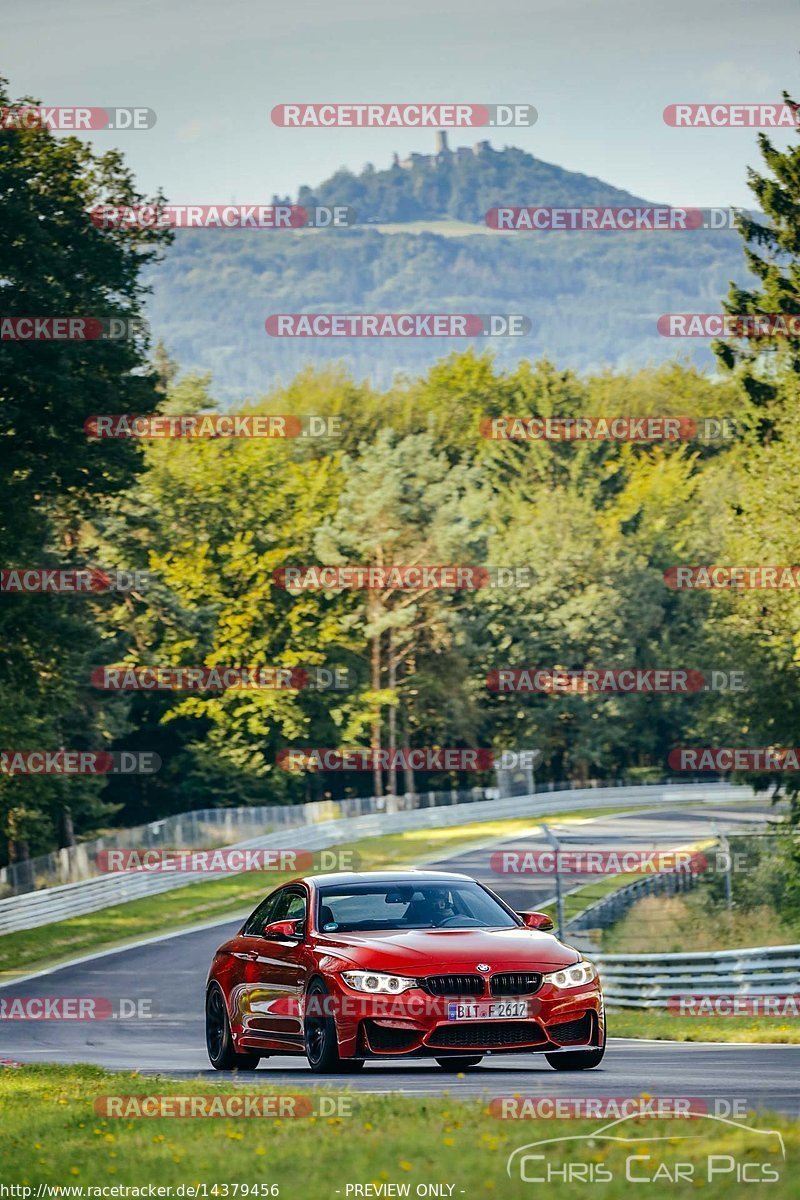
291 907
262 915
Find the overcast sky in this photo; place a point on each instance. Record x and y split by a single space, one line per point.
599 73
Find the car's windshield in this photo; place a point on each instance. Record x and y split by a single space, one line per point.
354 908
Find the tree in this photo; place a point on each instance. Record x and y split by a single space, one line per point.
55 262
772 251
403 503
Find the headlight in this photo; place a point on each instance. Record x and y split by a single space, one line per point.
371 981
570 977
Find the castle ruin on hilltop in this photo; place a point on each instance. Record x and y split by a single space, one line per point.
443 154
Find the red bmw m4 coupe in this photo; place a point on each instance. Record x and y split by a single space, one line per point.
399 964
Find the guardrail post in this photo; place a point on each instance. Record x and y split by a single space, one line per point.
726 850
561 927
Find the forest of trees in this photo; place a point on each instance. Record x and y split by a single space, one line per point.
409 479
593 299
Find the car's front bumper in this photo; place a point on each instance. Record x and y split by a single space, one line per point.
415 1025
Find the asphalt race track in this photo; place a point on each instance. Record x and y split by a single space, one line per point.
167 976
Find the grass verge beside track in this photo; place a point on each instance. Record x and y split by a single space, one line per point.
50 1134
654 1023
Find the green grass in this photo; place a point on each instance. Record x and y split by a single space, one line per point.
50 1133
654 1023
674 924
575 901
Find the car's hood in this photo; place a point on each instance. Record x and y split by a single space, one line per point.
436 951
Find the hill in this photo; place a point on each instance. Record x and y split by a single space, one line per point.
593 297
462 184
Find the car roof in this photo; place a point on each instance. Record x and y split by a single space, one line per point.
408 876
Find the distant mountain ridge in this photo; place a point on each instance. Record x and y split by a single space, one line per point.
593 298
462 184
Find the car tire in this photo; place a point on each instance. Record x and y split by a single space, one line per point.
578 1060
459 1064
219 1042
319 1039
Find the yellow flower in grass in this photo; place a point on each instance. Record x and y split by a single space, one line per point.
405 1165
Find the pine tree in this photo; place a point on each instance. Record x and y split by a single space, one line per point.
771 250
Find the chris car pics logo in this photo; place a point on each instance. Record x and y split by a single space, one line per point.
652 1159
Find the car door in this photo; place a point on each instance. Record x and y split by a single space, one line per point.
242 951
275 973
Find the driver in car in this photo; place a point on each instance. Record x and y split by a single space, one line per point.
433 909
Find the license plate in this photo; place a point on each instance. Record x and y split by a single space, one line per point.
487 1010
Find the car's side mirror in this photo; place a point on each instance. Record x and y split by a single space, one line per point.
536 920
276 930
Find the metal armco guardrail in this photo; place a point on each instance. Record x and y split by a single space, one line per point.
649 980
34 909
